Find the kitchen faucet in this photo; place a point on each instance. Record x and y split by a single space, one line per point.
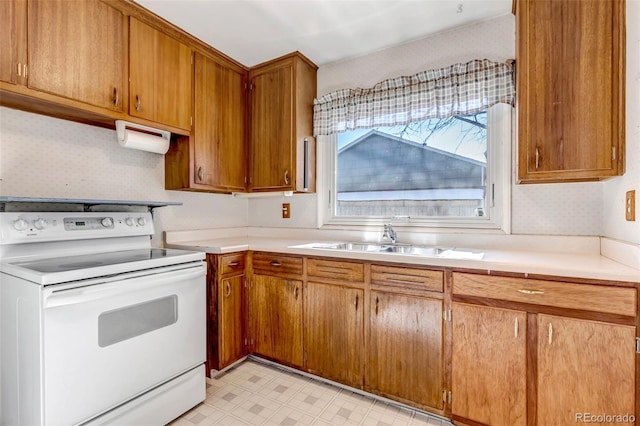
389 233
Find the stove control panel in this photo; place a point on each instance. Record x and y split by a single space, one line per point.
22 227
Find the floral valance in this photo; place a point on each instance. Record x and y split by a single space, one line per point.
460 89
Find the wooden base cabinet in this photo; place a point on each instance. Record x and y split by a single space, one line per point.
535 352
489 365
275 307
584 367
405 349
405 354
226 327
276 319
334 321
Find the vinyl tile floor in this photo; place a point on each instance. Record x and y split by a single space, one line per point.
254 393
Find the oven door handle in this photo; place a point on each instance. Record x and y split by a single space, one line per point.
120 287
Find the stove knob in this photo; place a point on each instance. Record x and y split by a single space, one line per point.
142 221
107 222
20 225
40 223
129 221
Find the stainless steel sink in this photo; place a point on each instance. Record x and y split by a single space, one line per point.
383 248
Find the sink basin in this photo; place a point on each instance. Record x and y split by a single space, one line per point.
406 249
382 248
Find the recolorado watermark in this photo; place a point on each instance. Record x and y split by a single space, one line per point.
605 418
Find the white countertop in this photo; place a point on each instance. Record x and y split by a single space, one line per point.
576 265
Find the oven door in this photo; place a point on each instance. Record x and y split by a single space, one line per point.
106 343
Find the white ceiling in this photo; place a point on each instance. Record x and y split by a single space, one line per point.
254 31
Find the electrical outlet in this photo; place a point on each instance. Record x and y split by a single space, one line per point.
630 206
286 210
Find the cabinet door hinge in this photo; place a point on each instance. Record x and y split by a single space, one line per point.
446 315
248 86
638 345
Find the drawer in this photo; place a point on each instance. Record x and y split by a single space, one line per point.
407 278
597 298
275 264
335 269
230 263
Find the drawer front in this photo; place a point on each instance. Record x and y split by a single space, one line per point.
230 263
274 264
336 270
409 278
597 298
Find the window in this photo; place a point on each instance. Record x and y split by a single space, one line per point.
451 172
432 148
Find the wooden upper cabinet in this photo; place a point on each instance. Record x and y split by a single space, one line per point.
584 367
160 76
570 85
489 361
282 147
219 127
13 27
214 157
76 50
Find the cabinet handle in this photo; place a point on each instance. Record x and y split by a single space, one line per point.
550 333
116 98
295 292
234 264
526 291
19 70
228 293
515 328
25 69
199 174
138 103
356 302
286 177
377 300
537 157
275 263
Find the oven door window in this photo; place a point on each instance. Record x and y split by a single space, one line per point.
131 321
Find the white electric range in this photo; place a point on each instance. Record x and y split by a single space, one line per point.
97 327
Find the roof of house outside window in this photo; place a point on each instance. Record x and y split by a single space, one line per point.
388 167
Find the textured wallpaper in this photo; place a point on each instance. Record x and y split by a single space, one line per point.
47 157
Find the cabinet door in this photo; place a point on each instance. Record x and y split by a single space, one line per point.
276 316
405 348
160 76
174 75
76 50
272 129
488 364
570 89
334 332
584 367
142 69
219 130
13 24
230 320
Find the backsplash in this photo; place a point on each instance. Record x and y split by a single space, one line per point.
47 157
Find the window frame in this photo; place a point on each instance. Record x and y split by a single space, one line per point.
497 214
